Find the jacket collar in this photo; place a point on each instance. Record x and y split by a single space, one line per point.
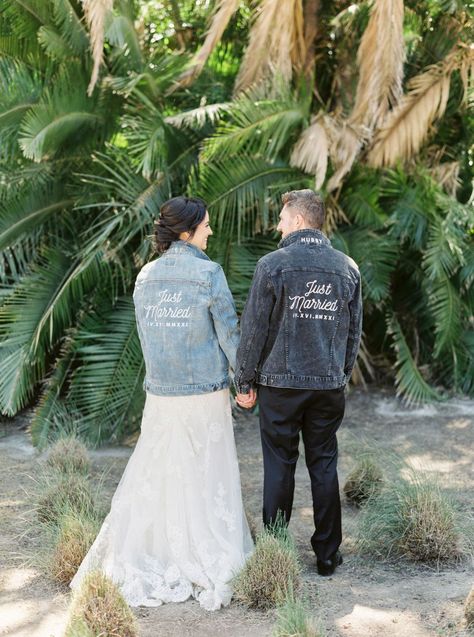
183 247
307 236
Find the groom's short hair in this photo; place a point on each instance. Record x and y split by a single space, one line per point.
309 204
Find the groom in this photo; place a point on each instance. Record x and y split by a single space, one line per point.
300 334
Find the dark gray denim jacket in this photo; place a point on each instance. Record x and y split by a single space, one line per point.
301 325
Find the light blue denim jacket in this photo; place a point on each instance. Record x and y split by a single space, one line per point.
186 321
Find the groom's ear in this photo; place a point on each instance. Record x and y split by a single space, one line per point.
298 220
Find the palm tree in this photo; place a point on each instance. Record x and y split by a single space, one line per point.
91 144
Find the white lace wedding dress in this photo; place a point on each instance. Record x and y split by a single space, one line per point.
176 527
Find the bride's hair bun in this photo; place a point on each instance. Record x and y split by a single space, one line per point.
177 215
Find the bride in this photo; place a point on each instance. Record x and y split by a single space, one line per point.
176 527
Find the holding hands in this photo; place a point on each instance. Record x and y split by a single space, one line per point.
246 401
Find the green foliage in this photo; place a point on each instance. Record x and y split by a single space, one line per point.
82 180
109 359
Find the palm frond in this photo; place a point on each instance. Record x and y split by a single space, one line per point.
412 206
96 12
145 132
311 151
276 44
223 12
64 113
344 150
121 33
24 348
446 174
376 256
22 213
239 261
360 200
19 89
441 258
256 126
70 25
155 80
408 379
44 419
110 361
380 58
54 44
198 117
25 17
446 309
244 192
407 126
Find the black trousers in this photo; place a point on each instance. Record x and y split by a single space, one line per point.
284 413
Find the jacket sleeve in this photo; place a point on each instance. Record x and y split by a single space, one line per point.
224 316
355 329
254 328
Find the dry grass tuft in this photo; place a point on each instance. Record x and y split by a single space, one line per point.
68 455
413 520
364 481
293 619
64 493
99 608
270 572
469 609
75 536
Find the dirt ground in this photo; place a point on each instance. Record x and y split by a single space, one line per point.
364 598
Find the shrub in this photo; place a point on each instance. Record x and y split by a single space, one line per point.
293 619
69 454
270 571
469 609
364 481
64 493
75 535
98 608
413 520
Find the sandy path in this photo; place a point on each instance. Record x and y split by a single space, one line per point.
363 599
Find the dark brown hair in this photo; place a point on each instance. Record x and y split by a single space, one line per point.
179 214
309 204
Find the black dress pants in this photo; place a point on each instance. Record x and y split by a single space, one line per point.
317 414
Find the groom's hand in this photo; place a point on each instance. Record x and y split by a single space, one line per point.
246 401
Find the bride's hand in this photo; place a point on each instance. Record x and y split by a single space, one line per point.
246 401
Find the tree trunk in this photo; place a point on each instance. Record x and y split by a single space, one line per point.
178 23
310 11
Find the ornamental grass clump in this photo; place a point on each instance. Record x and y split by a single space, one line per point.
293 619
74 536
271 571
364 481
413 519
98 608
469 609
69 455
63 493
